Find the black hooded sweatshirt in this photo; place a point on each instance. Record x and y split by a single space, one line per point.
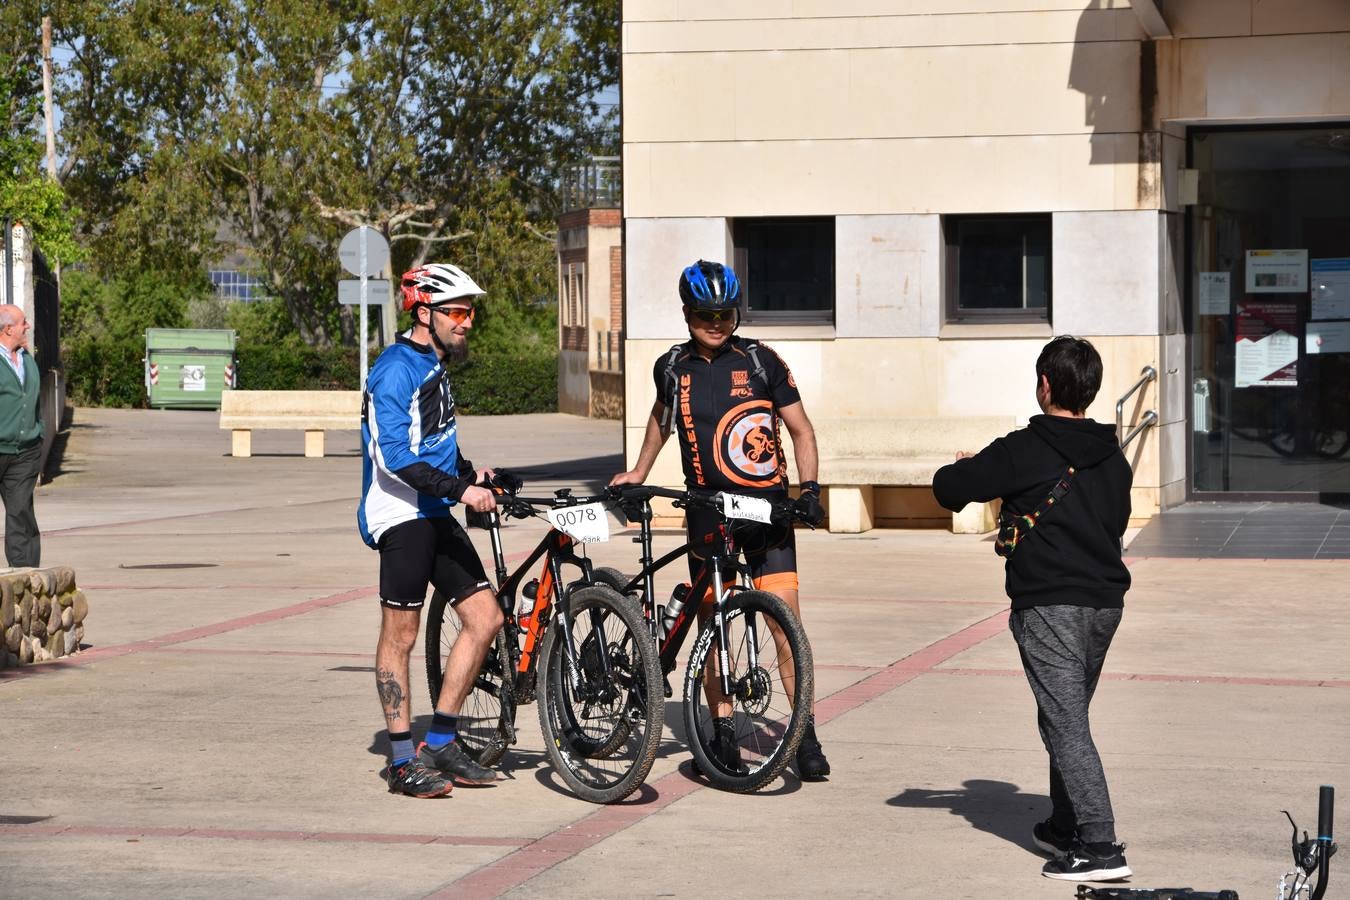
1072 556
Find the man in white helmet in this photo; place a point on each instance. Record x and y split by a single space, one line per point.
413 473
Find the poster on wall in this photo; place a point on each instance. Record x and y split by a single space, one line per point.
1277 271
1330 288
1327 337
1267 345
1215 293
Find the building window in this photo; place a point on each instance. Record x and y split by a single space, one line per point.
231 284
997 268
786 268
572 305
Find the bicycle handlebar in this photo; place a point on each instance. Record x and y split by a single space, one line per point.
786 510
1326 804
516 506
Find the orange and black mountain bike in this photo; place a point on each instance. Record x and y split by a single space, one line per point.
581 649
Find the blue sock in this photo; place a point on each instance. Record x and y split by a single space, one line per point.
401 747
444 728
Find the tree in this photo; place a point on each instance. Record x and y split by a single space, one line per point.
26 194
276 126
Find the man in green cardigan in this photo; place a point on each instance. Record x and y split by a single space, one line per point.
20 438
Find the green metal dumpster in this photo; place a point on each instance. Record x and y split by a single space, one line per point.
188 368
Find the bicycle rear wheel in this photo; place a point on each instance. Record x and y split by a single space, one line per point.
772 682
487 716
602 724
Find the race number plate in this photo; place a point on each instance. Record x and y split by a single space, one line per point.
586 524
752 509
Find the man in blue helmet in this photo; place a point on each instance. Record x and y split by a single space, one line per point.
727 398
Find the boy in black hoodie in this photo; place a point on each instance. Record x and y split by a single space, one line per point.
1067 584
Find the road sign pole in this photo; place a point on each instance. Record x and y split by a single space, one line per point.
365 345
363 250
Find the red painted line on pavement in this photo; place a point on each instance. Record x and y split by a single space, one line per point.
901 671
203 631
1183 679
191 634
514 869
1225 558
230 651
235 834
195 587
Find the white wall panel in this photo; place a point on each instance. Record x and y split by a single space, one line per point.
657 252
1105 272
888 276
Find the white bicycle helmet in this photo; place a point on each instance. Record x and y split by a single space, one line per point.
435 284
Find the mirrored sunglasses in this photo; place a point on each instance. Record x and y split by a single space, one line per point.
457 314
715 315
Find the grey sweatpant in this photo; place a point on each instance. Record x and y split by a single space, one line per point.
1063 649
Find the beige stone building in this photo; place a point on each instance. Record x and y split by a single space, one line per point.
918 194
590 313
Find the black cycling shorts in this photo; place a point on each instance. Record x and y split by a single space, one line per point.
435 551
770 550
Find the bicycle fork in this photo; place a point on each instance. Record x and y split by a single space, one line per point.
729 690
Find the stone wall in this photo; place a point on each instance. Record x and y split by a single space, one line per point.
41 615
606 395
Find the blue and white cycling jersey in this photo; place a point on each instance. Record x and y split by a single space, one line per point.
412 467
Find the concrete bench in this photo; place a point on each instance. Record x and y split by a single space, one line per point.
859 455
313 412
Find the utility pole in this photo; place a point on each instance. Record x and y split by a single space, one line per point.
51 135
47 95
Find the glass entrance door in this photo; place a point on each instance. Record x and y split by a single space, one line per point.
1270 311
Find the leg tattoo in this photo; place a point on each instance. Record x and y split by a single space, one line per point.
391 694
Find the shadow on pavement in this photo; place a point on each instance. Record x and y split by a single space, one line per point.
996 807
56 455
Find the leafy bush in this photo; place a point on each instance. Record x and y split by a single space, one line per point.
106 371
502 383
289 365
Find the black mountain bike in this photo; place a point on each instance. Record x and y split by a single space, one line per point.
750 661
582 649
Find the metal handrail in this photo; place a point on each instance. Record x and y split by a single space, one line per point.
1147 374
1150 418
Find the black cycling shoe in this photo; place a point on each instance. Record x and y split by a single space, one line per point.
453 761
415 779
724 748
811 762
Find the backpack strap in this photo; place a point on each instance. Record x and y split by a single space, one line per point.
752 350
672 389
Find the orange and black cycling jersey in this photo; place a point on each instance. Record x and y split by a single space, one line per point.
726 417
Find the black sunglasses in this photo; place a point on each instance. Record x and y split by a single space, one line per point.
714 315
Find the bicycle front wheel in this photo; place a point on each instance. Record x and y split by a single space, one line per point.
602 720
772 683
487 716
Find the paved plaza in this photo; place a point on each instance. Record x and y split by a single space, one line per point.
221 735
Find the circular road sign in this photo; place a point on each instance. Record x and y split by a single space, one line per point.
376 251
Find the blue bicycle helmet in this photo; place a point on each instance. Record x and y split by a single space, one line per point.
709 285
